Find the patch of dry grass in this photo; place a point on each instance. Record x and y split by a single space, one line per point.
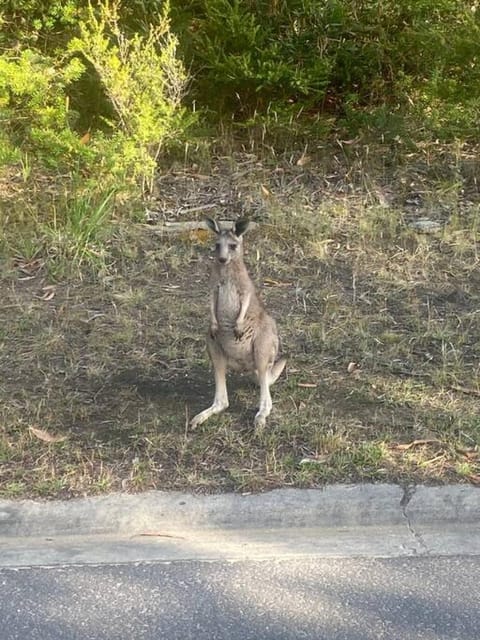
381 325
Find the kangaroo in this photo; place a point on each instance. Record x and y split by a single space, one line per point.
242 336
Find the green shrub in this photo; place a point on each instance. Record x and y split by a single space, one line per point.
399 68
144 81
37 23
250 55
34 110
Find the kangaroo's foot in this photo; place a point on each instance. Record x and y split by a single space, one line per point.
263 412
259 422
217 407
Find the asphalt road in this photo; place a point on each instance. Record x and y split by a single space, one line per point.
417 598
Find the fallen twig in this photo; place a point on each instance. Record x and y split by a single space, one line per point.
415 443
466 390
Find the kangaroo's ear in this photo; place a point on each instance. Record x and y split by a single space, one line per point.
213 225
241 226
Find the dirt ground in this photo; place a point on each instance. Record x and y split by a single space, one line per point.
101 371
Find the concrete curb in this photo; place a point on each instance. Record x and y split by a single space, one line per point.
334 506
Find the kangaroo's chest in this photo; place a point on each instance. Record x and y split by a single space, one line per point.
238 349
228 303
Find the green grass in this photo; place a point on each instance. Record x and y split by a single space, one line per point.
86 222
102 335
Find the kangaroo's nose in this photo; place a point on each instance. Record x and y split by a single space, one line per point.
222 259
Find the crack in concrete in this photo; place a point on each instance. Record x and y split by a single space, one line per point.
408 493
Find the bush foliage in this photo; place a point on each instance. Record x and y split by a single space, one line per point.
138 77
409 68
390 66
58 65
98 88
34 107
144 82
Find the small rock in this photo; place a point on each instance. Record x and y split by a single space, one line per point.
424 225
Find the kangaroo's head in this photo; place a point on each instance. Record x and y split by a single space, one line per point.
229 244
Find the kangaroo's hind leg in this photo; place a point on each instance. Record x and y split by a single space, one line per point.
265 404
220 401
265 353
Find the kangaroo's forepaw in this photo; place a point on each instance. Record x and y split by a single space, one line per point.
239 330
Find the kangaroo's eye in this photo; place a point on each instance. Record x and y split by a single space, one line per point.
217 245
232 246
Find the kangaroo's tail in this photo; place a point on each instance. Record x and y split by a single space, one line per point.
277 369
